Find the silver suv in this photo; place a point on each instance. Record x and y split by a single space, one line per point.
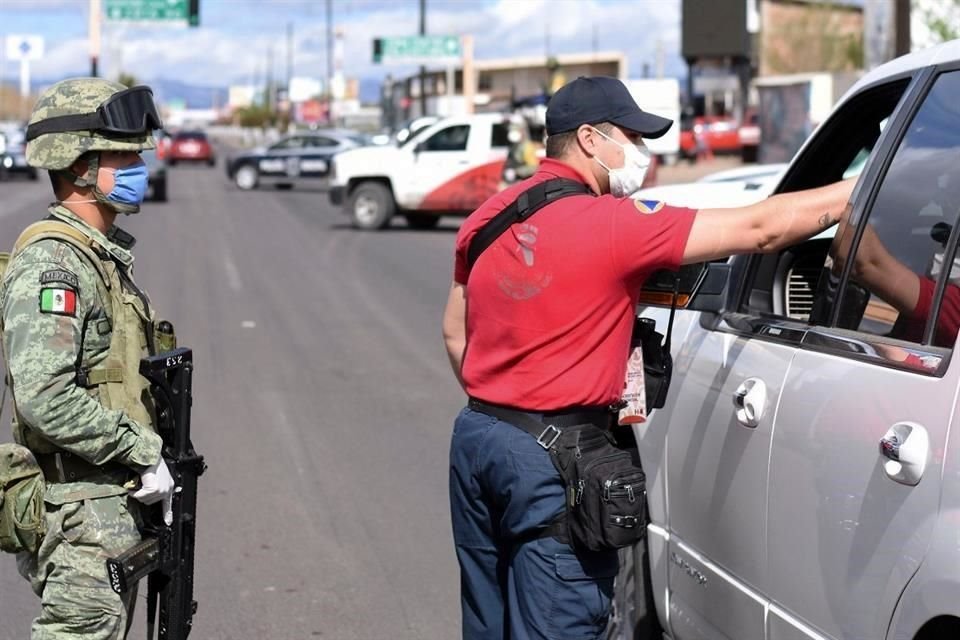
801 479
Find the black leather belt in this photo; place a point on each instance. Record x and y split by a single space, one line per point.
67 467
601 417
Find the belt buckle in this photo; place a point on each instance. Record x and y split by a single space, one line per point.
549 437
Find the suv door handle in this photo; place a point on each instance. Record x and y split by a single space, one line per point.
906 447
750 401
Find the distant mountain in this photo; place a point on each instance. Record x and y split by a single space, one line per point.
195 97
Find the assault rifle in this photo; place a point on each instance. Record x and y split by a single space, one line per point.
165 556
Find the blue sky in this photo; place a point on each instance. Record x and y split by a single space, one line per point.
235 35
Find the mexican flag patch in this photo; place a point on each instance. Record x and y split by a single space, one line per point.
60 301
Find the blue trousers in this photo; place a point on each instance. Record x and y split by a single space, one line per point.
513 585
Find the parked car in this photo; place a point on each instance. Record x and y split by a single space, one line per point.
809 487
300 158
15 157
718 133
157 181
190 146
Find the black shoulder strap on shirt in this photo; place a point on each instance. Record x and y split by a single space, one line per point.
526 204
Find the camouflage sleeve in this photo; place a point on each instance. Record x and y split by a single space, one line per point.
43 329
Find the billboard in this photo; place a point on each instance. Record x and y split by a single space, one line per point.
713 28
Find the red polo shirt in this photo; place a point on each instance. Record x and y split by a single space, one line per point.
550 303
948 321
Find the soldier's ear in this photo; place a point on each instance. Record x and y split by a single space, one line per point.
79 167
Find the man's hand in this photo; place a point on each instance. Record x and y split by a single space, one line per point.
156 484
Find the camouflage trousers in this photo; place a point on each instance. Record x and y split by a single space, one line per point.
69 571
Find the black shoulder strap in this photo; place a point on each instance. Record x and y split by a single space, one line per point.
526 204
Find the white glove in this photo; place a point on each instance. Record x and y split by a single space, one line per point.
156 484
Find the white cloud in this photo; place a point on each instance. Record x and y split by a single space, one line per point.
219 55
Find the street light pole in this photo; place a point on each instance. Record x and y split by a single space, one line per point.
329 87
94 36
423 69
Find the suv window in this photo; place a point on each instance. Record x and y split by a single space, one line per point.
902 249
500 135
783 285
450 139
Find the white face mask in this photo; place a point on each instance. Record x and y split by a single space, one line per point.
628 179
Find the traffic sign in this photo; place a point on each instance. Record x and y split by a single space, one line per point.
417 49
20 47
154 11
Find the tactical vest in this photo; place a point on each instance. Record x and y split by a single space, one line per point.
116 383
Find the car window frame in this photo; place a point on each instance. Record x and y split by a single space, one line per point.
276 145
458 125
827 337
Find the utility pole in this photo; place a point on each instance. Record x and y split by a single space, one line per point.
329 84
289 56
270 83
423 69
94 36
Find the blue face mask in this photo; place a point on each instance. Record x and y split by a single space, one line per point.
130 184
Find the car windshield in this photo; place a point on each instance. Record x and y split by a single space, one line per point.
192 135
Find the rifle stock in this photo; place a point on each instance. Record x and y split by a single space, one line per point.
166 554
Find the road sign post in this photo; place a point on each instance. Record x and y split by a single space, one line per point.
24 48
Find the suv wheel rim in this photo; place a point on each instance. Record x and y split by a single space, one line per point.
246 178
366 209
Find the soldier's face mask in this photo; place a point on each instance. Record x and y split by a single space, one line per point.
628 179
127 113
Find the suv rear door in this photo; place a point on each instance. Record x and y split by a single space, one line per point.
845 530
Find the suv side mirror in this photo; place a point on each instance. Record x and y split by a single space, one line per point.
701 287
419 148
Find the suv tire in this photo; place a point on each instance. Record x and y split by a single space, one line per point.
371 206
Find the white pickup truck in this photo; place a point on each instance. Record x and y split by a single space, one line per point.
448 168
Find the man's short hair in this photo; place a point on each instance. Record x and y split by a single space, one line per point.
559 144
55 181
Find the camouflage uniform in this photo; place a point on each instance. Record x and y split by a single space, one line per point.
107 423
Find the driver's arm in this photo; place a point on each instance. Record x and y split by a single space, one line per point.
768 226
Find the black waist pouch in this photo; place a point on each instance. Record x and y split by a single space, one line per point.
605 487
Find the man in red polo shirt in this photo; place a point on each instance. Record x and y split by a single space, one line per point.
541 323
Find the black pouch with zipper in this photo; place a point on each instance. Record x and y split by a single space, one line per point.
605 486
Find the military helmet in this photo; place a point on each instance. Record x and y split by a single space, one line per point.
79 115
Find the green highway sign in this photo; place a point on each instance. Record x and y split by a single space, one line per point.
154 11
416 49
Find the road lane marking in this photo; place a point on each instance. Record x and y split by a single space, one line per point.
233 274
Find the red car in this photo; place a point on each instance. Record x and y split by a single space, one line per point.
719 134
190 146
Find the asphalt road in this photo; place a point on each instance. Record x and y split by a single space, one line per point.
323 404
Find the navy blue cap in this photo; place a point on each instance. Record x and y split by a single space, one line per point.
600 99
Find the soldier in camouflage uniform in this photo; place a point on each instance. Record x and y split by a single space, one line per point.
74 329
